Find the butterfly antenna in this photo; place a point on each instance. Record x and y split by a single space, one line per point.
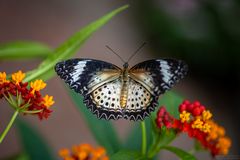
136 51
115 53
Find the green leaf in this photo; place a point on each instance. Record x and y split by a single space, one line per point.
70 47
102 130
127 155
34 145
166 136
161 138
23 50
180 153
22 156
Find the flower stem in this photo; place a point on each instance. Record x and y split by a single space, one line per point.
8 126
32 112
144 138
154 148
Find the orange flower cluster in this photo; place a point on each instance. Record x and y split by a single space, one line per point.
84 152
195 120
24 98
217 135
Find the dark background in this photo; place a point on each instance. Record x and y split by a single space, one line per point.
206 34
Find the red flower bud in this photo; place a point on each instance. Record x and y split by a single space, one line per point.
163 118
182 107
190 107
196 111
161 111
196 103
187 102
202 108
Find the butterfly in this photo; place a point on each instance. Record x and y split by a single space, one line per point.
112 93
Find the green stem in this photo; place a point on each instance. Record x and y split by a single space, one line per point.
8 126
10 101
163 139
154 147
144 138
32 112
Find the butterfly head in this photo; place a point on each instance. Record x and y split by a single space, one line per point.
125 65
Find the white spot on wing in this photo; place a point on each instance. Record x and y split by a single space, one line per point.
78 69
138 97
108 95
165 70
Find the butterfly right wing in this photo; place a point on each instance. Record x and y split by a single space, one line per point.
147 81
158 75
86 75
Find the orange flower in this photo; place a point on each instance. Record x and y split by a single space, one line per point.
37 85
69 158
48 101
22 99
98 152
64 153
206 128
82 155
197 124
18 77
3 77
223 145
206 115
16 91
85 152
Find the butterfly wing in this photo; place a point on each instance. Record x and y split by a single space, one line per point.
105 100
97 81
158 75
100 84
85 75
140 101
148 80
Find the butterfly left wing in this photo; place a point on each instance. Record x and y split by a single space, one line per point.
158 75
104 102
97 81
86 75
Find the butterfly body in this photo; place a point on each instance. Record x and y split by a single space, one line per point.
124 87
112 93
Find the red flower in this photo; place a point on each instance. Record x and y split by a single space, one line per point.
163 118
25 100
196 121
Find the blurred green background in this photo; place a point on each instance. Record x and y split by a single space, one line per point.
205 34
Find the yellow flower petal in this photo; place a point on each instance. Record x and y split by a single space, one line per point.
197 124
48 101
206 128
37 85
206 115
3 77
18 77
185 116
